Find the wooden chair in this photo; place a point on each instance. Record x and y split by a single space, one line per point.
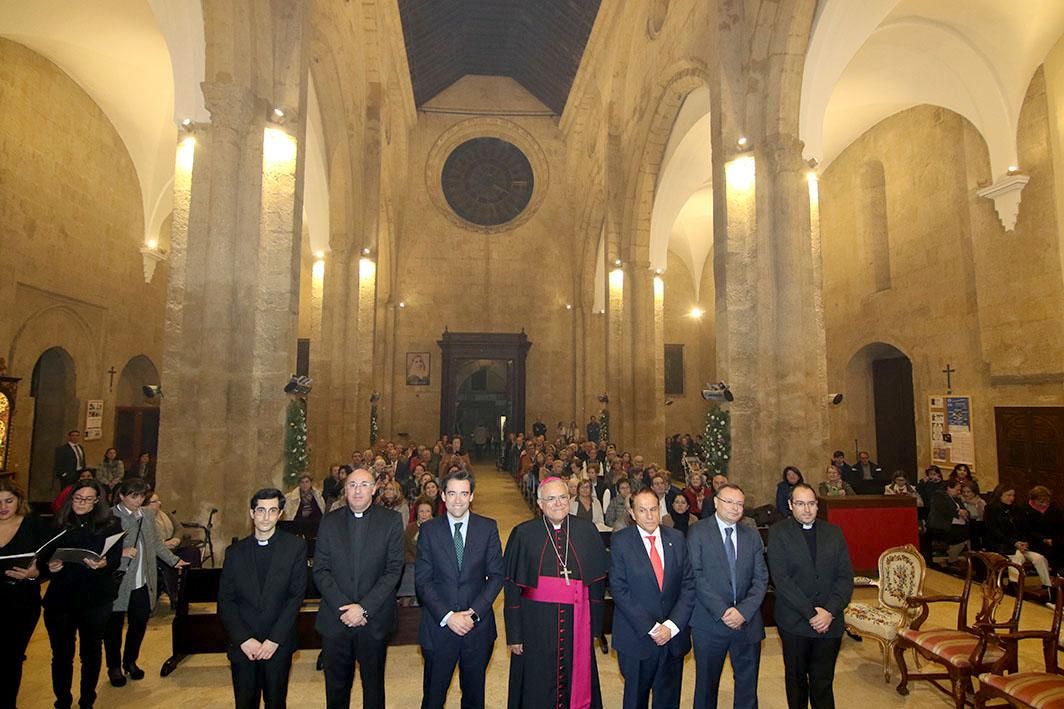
1030 690
966 650
901 576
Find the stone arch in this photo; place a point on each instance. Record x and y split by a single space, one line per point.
872 222
684 77
779 45
858 413
53 387
54 326
138 372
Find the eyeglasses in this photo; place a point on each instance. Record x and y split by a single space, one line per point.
354 484
804 504
550 499
84 500
733 503
267 511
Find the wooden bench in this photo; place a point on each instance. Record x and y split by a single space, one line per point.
197 627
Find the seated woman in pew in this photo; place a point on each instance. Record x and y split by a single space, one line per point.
834 485
1004 533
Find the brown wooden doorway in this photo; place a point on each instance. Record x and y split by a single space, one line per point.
475 354
136 430
892 384
1030 447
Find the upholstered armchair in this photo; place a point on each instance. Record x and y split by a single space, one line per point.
901 576
963 651
1029 690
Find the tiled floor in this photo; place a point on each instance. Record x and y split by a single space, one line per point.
202 682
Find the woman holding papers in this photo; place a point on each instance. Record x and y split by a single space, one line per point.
20 592
79 597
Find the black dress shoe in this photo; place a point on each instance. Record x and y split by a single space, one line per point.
117 678
134 672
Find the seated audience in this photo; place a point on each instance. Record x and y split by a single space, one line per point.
1042 525
963 474
1005 535
834 485
948 520
616 515
144 469
423 512
695 493
900 486
305 505
680 517
111 470
585 505
391 497
791 476
332 486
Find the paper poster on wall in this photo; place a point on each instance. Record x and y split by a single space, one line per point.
94 420
952 440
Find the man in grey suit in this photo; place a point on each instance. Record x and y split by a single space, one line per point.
728 560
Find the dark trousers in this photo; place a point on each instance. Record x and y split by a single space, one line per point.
472 660
261 679
710 651
20 624
340 652
809 670
139 610
63 625
661 673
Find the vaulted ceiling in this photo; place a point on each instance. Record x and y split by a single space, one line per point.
538 43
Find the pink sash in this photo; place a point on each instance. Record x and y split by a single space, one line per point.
554 590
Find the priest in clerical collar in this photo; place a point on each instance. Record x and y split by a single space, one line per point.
555 582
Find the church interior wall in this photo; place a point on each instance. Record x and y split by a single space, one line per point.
71 226
962 291
687 412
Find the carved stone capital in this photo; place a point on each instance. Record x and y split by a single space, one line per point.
1006 195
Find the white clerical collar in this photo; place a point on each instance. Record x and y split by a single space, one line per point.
358 515
262 542
807 526
556 526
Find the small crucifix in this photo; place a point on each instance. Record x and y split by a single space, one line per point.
112 371
948 371
566 573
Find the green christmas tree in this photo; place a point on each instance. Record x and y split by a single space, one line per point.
716 440
296 456
604 425
374 426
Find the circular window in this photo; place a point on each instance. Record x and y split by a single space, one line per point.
487 181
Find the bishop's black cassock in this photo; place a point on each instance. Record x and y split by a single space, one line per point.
552 632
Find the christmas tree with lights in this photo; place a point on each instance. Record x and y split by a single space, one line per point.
716 440
296 454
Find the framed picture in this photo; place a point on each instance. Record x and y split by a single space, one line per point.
417 368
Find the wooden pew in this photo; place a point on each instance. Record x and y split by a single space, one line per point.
197 627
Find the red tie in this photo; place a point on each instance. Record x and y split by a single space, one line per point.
655 561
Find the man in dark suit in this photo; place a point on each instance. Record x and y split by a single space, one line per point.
458 573
263 582
358 558
866 477
653 593
69 459
813 579
731 577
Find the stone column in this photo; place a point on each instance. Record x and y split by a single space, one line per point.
231 314
648 351
770 330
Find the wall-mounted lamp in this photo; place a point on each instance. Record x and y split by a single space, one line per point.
618 263
1012 169
319 255
568 306
743 143
365 251
276 116
696 312
834 399
402 304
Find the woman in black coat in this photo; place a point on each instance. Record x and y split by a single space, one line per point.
79 597
1004 534
20 591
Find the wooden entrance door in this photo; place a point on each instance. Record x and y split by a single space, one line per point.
459 347
136 430
1030 447
892 385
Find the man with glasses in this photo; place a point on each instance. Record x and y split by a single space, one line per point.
458 575
555 582
263 582
728 560
813 579
358 559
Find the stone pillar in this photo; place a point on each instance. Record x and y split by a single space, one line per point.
770 330
232 312
647 362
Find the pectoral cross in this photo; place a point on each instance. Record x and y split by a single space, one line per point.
948 371
566 573
112 371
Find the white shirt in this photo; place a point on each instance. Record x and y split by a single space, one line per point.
138 577
79 456
462 531
722 525
644 535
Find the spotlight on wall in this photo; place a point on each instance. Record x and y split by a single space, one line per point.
1012 169
668 402
365 251
374 397
568 306
604 398
152 391
659 271
186 124
717 392
300 386
697 312
319 255
277 115
618 263
402 304
743 143
835 399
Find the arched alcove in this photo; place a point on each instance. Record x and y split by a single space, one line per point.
880 409
136 416
55 412
872 222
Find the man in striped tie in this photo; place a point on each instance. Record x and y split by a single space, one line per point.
653 594
728 560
